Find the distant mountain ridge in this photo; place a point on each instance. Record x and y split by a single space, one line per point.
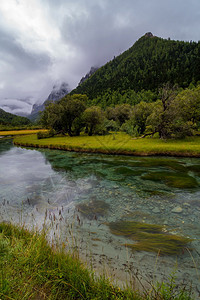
58 92
148 64
11 119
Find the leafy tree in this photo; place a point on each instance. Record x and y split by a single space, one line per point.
139 115
175 116
187 105
73 107
93 118
52 117
65 115
120 113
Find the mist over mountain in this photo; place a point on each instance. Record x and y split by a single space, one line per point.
92 71
58 92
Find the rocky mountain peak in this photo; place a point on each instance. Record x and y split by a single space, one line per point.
58 92
148 35
92 71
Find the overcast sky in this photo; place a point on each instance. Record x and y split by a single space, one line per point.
43 42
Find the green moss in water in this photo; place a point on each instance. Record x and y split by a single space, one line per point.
171 179
195 169
165 244
93 209
127 171
149 237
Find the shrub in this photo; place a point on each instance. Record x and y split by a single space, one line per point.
45 134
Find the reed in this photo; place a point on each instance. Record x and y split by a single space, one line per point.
32 268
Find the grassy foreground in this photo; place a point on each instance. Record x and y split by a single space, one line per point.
32 269
119 143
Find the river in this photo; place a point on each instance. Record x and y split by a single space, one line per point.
82 198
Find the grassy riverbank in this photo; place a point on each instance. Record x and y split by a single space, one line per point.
18 132
119 143
32 269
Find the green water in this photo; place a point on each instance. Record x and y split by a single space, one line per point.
78 195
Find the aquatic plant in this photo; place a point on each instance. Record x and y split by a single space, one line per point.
171 179
195 169
93 209
127 171
149 237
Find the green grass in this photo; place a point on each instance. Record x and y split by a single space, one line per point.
19 132
32 269
119 143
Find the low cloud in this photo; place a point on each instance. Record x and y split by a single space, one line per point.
45 41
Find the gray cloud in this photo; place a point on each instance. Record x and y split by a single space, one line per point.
59 40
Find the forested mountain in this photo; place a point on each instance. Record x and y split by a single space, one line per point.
147 65
10 119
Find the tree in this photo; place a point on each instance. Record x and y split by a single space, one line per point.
120 113
93 118
64 115
187 104
51 117
73 107
139 115
175 116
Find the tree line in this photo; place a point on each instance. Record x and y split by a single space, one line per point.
175 113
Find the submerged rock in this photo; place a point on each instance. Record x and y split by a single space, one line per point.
156 210
177 209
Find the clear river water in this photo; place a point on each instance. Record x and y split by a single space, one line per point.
80 198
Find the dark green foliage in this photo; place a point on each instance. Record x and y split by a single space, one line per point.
112 98
93 118
120 113
45 134
177 180
147 65
13 120
176 114
65 115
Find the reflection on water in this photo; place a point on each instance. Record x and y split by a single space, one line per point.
81 196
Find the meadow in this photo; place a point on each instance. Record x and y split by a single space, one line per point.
116 143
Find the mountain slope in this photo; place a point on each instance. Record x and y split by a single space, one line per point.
10 119
149 63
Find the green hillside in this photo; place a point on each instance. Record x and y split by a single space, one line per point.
13 120
147 65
